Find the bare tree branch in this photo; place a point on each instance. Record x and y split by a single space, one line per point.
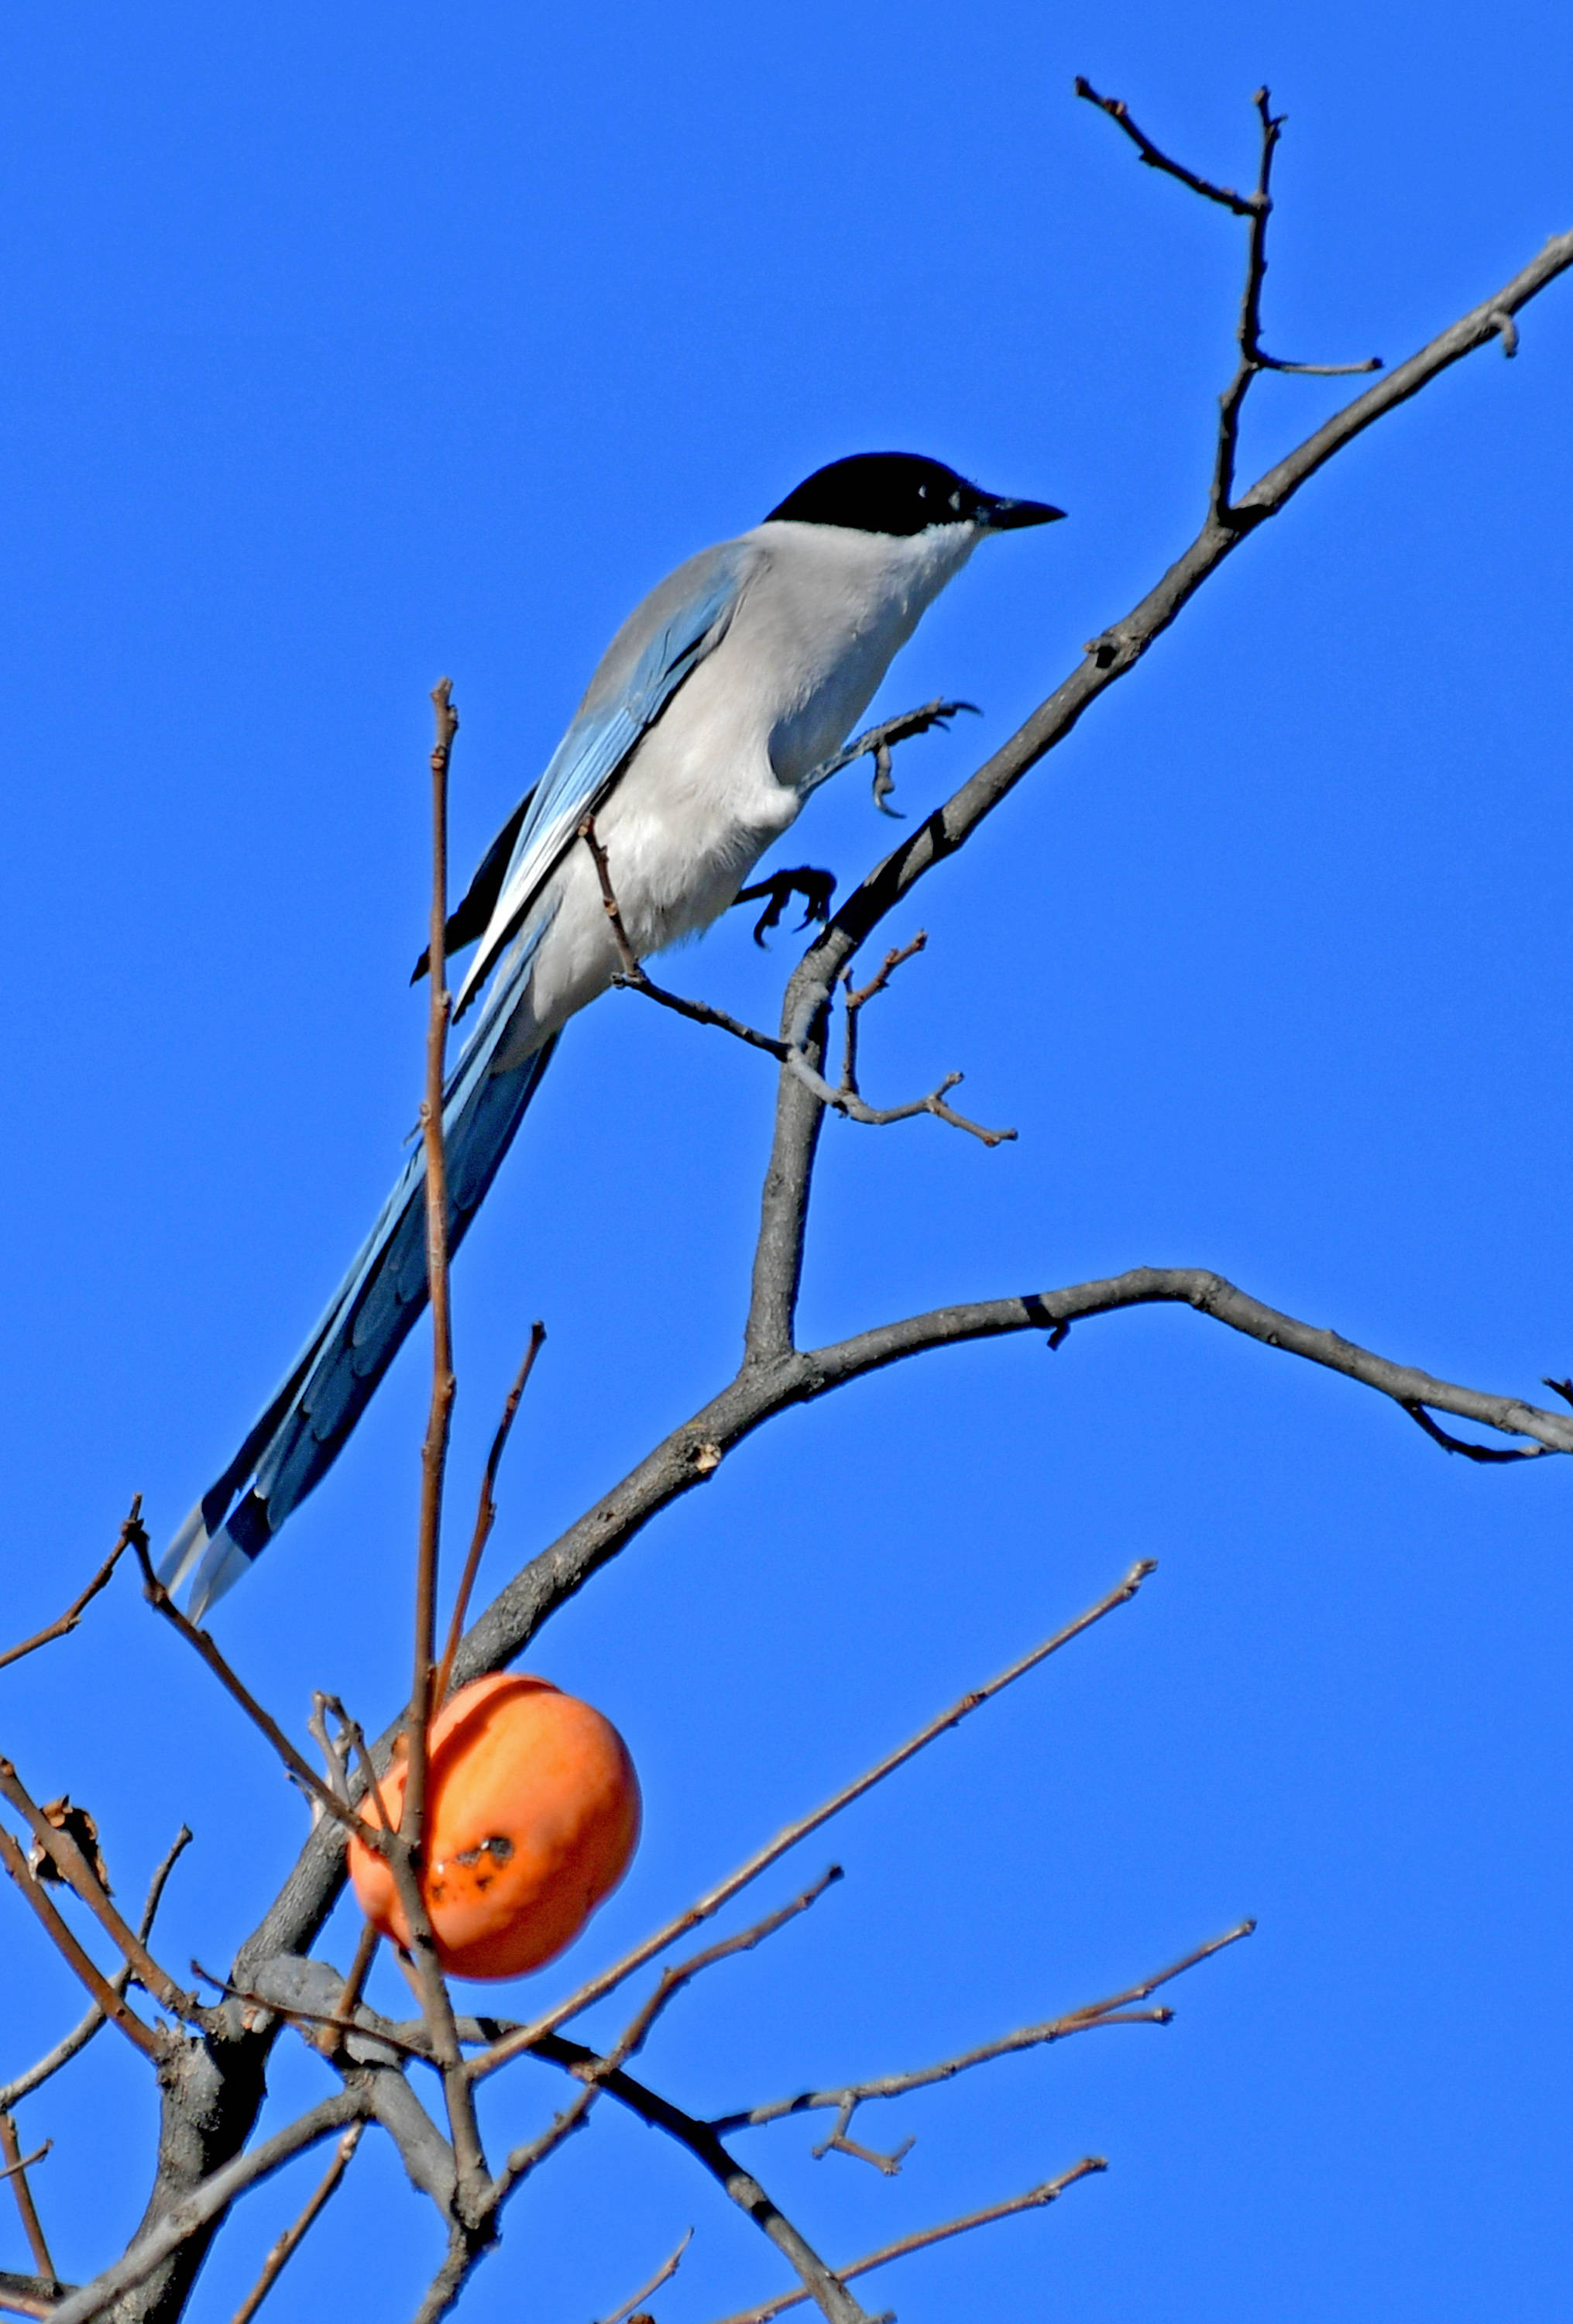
87 1968
791 1052
485 1514
1242 205
68 1620
205 2203
527 2159
597 1988
294 2234
681 1973
60 1843
1092 2014
17 2166
663 2274
82 2033
301 1769
404 1848
1034 2200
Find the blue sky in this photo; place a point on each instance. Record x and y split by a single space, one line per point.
348 346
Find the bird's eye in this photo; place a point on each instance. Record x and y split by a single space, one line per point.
956 502
923 492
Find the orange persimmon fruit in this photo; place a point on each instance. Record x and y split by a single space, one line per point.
532 1815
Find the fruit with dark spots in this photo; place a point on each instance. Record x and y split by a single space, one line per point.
533 1816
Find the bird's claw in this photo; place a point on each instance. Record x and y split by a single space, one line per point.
815 888
880 740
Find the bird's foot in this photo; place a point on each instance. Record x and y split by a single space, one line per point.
815 888
876 742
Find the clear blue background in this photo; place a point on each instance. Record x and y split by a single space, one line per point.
346 345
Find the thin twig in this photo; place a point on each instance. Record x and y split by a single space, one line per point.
725 1890
663 2274
602 2069
823 2284
1242 205
17 2166
1034 2200
1257 208
524 2160
303 1772
434 1452
274 2264
82 2033
1114 2011
791 1052
151 2043
404 1851
682 1973
60 1844
856 1001
485 1514
73 1614
349 1999
1482 1453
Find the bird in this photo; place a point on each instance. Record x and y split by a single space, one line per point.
714 711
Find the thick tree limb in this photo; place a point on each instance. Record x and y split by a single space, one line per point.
764 1388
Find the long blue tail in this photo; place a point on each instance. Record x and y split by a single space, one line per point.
306 1423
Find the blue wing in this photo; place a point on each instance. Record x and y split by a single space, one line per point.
306 1424
656 650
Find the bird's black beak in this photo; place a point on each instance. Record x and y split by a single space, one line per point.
1011 516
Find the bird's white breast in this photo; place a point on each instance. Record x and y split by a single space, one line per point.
821 613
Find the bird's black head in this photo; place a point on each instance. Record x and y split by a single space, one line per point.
901 492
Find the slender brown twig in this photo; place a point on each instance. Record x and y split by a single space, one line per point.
289 2242
1034 2200
793 1051
404 1848
856 1001
596 2071
1242 205
85 1968
354 1985
663 2274
725 1890
1257 208
485 1514
301 1769
681 1973
434 1452
58 1843
1114 2011
17 2166
68 1620
87 2026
